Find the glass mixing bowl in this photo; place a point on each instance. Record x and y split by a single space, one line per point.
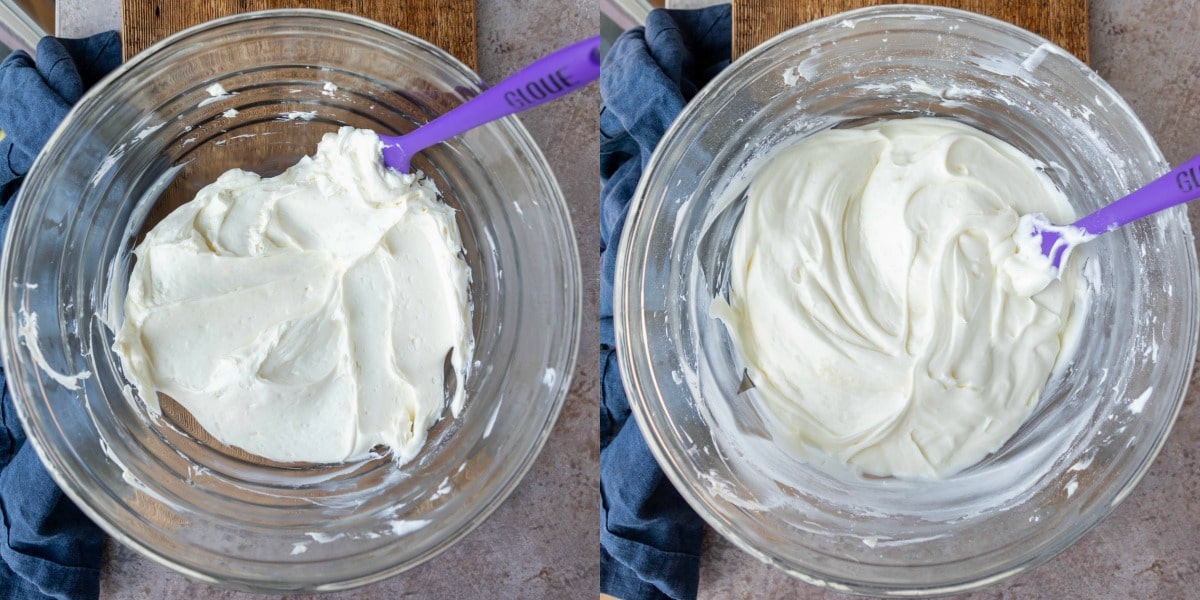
1099 423
145 140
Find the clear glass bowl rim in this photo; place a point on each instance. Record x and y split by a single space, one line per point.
655 427
63 476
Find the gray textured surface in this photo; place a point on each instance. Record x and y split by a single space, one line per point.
543 541
1150 546
79 18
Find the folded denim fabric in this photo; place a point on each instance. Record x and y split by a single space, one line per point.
649 537
48 547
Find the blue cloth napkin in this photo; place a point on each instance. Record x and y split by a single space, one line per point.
48 547
649 537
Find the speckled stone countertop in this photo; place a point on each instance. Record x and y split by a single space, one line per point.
543 542
1149 50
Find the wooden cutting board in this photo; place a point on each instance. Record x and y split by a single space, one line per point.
1064 22
449 24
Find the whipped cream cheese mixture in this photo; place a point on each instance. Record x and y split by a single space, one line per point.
307 316
878 301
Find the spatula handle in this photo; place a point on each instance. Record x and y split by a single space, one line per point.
550 77
1179 185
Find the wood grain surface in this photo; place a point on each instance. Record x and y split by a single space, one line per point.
1064 22
449 24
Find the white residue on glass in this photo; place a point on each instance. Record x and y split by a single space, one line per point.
1071 487
406 527
806 70
107 164
302 115
491 421
143 134
1137 404
1081 465
29 336
793 75
443 488
216 94
324 538
1035 58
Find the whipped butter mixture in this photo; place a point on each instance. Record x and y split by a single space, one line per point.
307 316
879 301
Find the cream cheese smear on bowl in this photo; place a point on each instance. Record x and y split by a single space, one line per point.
306 317
878 301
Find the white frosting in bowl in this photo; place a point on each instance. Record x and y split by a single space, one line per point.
870 303
308 316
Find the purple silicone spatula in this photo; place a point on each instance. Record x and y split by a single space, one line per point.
549 78
1176 187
